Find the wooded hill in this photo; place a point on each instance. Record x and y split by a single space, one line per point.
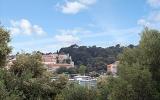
95 58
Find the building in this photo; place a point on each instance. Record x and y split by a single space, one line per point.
112 68
85 81
49 58
51 61
55 61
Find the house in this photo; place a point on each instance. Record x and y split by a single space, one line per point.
49 58
55 61
51 61
112 68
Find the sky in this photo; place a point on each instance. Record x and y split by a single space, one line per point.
48 25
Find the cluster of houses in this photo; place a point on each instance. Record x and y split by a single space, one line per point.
55 61
51 61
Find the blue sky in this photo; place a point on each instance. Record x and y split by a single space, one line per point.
48 25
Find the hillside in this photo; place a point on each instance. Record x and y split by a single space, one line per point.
95 58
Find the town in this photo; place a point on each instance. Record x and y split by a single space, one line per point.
89 75
79 49
54 61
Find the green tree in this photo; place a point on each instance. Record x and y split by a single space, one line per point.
71 70
103 87
134 84
139 70
27 79
28 64
31 80
3 92
82 69
77 92
4 51
61 70
94 58
4 48
150 47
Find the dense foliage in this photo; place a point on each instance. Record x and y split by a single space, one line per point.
76 92
26 79
139 71
4 48
65 70
4 51
95 58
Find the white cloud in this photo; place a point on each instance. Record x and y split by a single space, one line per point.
72 7
67 39
75 31
68 36
25 27
154 3
87 2
154 16
152 20
38 30
75 6
79 35
143 22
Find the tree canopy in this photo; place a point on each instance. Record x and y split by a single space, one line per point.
138 75
94 58
4 48
139 70
27 79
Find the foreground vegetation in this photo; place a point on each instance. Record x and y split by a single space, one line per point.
138 75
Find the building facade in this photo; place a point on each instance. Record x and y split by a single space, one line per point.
51 61
55 61
112 68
